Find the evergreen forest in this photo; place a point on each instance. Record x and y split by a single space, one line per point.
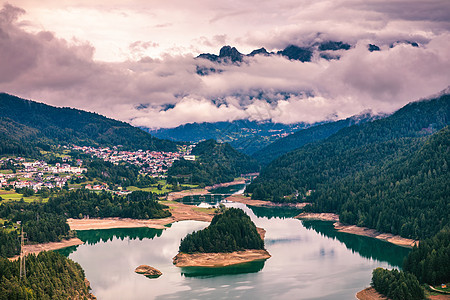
49 275
231 231
390 174
215 163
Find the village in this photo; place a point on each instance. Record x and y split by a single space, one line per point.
38 174
152 163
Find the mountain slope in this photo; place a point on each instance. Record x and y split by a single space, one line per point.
409 196
243 135
305 136
351 153
215 163
28 120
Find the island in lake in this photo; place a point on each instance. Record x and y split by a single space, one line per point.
231 238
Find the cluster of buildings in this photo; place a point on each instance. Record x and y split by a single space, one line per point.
38 174
154 163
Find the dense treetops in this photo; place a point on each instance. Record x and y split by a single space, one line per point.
430 262
409 196
9 243
377 174
397 285
37 121
49 275
215 163
40 225
46 222
79 203
231 231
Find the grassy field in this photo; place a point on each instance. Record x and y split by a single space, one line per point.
5 171
8 196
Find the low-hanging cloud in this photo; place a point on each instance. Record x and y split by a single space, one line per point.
167 91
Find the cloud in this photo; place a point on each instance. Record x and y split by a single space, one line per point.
166 91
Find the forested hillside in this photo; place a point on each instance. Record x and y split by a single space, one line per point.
231 231
377 174
46 222
215 163
305 136
49 276
24 120
431 260
243 135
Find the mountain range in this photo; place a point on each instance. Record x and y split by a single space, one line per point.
390 174
244 135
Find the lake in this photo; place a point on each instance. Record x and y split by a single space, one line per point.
310 260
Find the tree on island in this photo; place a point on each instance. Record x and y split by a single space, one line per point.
231 231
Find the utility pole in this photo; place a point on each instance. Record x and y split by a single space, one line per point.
23 269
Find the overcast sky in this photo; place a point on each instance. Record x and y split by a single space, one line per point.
134 60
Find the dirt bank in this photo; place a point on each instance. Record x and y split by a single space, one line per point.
178 195
248 201
394 239
369 294
219 259
225 184
180 212
317 216
353 229
49 246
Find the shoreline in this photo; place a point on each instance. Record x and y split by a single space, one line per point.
369 294
225 184
363 231
37 248
178 195
180 212
212 260
222 259
248 201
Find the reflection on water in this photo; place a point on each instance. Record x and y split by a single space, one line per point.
250 267
309 261
232 189
365 246
92 237
275 212
208 200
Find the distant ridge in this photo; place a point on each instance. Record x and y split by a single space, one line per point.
308 135
32 122
243 135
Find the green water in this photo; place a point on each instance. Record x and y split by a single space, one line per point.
310 260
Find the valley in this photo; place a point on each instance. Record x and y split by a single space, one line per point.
104 199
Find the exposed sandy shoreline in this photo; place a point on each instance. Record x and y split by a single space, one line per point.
369 294
36 248
388 237
219 259
364 231
318 216
248 201
180 212
178 195
225 184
